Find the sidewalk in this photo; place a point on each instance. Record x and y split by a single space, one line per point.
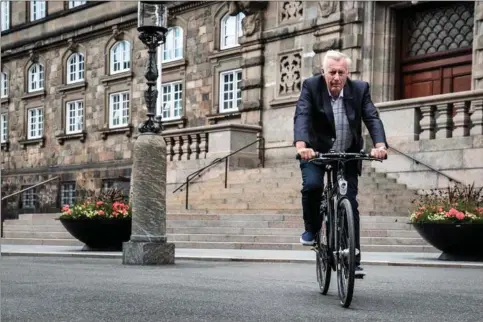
248 255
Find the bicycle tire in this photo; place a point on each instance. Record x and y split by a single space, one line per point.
346 219
323 275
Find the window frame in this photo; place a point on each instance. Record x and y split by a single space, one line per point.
160 108
124 53
79 66
236 89
4 83
111 109
5 13
39 129
68 118
4 128
33 9
170 45
238 30
39 78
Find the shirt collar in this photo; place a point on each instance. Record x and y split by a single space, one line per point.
341 94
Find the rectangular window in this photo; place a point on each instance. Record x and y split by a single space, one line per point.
28 198
37 9
118 110
172 101
5 15
3 85
74 117
35 123
230 92
73 4
4 128
67 194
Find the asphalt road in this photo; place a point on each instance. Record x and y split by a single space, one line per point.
74 289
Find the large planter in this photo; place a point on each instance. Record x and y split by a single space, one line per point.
100 234
456 241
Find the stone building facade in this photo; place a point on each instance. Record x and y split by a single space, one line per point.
231 72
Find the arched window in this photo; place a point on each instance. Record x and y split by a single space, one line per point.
173 48
36 77
120 57
231 29
75 68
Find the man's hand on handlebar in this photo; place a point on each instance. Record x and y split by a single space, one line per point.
306 153
379 152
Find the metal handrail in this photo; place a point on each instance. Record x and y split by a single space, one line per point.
18 192
219 160
426 165
31 187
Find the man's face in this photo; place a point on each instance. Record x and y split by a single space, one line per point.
336 75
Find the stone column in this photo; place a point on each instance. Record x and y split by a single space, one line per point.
148 244
477 117
427 123
461 119
477 73
444 124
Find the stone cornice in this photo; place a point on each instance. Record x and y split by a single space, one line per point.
59 37
181 6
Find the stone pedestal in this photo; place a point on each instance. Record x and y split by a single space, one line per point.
148 244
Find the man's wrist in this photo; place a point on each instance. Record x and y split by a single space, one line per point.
380 146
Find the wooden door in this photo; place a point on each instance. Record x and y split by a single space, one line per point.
436 49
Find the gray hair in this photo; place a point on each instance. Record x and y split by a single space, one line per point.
337 56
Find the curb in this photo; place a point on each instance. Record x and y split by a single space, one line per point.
443 264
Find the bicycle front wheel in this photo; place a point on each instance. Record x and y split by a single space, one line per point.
346 252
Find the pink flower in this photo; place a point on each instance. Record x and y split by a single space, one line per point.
460 215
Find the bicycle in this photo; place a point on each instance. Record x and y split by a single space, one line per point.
335 248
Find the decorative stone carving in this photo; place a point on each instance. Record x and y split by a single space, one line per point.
253 14
291 10
327 8
72 45
290 73
476 117
34 56
116 33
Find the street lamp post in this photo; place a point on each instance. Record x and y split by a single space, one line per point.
152 22
148 244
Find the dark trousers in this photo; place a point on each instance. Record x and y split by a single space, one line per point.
312 186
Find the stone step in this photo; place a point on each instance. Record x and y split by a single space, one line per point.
281 239
37 234
38 241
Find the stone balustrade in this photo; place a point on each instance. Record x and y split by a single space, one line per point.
210 141
434 117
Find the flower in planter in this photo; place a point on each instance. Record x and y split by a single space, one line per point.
458 204
96 210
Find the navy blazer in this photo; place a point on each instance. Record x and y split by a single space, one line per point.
314 119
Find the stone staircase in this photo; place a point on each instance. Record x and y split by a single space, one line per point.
260 209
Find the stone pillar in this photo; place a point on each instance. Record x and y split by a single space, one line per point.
427 123
444 124
461 119
148 244
477 73
477 117
252 58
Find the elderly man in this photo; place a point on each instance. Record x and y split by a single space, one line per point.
328 116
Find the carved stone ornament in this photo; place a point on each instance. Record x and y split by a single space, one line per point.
34 56
116 33
252 11
327 8
72 45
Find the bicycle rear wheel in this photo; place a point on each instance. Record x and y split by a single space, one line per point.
346 258
323 266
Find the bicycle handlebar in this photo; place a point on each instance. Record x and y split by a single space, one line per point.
343 155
